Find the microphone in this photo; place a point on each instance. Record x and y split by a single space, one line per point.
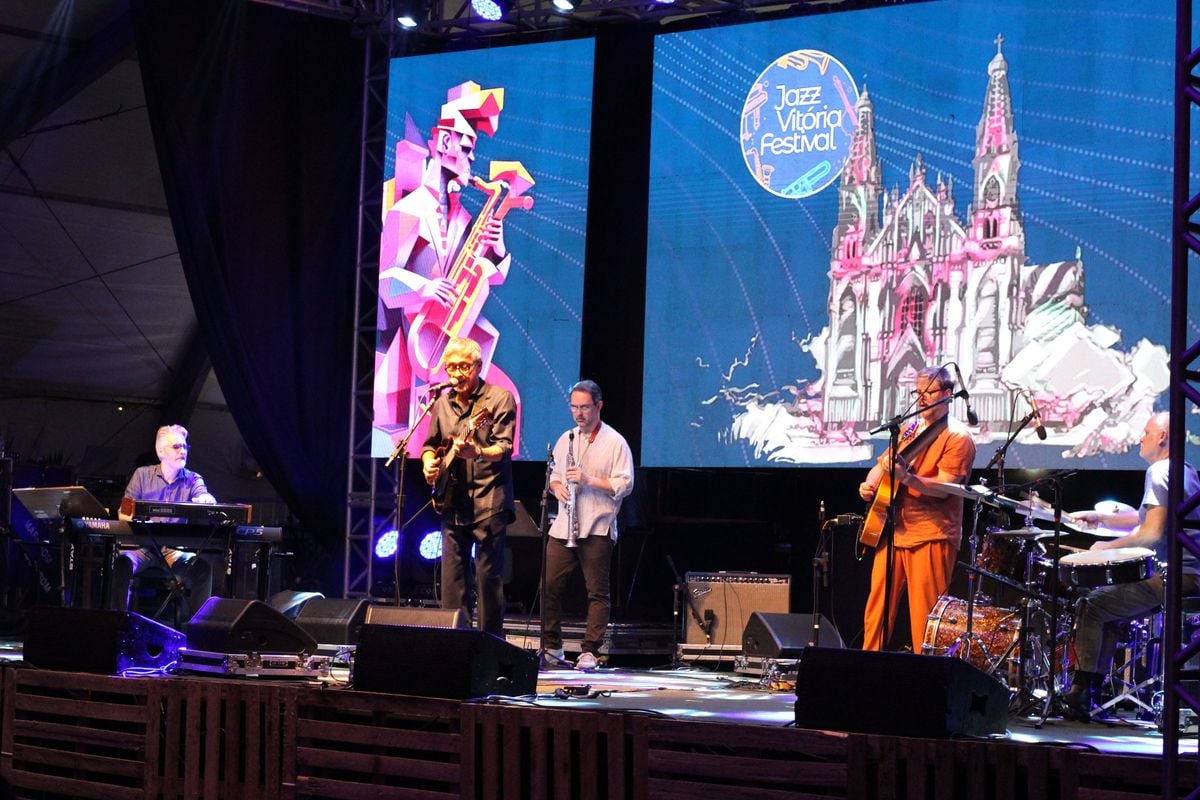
447 384
1037 416
972 417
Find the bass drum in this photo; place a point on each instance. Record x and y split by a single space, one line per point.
995 631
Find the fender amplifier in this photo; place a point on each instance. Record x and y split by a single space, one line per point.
725 601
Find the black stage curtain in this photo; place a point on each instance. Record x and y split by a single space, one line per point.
256 118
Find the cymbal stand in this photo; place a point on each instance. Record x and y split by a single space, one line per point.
967 639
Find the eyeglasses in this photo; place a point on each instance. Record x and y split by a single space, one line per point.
459 366
587 407
928 391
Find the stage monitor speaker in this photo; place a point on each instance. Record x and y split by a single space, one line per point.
223 625
98 640
897 694
421 617
333 620
441 662
772 635
725 601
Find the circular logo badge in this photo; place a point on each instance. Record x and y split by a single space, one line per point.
797 123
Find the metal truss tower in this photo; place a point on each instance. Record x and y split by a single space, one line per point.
1180 681
370 487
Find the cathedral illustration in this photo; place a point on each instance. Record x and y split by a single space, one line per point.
912 284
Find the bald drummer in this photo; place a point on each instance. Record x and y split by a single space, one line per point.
1106 606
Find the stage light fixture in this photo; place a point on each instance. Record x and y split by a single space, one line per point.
408 13
565 6
387 544
488 9
430 548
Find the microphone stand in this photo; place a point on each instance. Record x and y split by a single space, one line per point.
889 527
681 589
820 575
543 652
402 448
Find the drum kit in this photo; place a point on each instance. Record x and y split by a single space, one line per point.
1023 643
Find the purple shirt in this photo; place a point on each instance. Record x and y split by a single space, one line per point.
148 483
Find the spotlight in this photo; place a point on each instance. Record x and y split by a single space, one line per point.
665 2
566 6
387 544
408 13
431 546
488 9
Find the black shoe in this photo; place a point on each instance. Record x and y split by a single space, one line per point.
1077 703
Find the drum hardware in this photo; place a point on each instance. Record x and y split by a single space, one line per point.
994 636
1142 642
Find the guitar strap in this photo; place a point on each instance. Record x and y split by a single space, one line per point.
917 445
923 439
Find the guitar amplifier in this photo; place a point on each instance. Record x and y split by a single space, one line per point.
725 601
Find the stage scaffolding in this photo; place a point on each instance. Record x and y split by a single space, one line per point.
370 487
1180 681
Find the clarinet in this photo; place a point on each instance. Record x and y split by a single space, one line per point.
572 511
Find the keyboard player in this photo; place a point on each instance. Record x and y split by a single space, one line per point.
167 481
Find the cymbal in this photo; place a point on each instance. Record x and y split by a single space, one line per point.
1092 530
1026 509
970 492
1023 533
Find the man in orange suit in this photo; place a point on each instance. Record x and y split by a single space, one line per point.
935 448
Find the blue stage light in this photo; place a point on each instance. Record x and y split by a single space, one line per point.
488 9
430 548
387 544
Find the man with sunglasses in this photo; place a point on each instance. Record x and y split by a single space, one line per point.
934 448
167 481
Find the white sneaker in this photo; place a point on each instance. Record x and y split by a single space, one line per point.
553 659
586 661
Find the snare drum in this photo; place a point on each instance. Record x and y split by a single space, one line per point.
1107 567
995 631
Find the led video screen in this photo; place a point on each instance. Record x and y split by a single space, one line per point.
484 214
838 201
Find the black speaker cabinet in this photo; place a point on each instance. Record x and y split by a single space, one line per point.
423 617
333 620
245 626
725 601
898 694
98 640
773 635
441 662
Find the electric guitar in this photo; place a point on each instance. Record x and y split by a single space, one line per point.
442 486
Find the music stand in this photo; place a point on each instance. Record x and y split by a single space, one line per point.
50 505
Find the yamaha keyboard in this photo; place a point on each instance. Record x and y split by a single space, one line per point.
174 534
198 513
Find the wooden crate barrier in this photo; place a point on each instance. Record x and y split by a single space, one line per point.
366 745
72 735
519 751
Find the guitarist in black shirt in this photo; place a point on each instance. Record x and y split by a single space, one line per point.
467 458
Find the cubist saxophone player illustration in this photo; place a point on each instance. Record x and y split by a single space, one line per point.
438 261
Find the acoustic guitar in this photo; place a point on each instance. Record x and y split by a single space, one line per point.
442 485
876 515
